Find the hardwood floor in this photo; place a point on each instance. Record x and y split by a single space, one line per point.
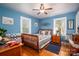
27 51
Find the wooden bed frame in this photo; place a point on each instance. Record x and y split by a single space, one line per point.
33 38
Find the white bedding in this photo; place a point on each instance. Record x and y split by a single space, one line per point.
44 37
43 40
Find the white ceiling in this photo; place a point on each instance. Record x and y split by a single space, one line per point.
58 8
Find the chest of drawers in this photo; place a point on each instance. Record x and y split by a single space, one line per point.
56 39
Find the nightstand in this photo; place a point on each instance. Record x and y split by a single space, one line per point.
56 39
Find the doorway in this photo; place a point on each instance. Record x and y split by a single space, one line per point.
60 25
25 25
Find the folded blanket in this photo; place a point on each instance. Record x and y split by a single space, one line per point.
12 43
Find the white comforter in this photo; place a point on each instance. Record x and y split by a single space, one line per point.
43 40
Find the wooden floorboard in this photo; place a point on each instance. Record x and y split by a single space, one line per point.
27 51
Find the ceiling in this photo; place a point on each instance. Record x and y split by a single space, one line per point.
58 8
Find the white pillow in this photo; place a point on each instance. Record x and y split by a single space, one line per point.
49 32
43 32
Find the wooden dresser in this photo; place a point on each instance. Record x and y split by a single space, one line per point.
11 51
56 39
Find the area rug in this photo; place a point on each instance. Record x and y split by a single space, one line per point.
53 48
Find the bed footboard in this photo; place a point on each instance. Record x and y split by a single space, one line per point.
30 40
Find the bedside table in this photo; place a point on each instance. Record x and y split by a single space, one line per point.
56 39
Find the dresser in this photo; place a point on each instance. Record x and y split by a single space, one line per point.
56 39
11 51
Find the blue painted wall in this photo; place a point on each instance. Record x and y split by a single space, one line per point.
15 28
5 11
50 21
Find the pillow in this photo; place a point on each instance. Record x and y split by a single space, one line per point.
42 32
49 32
46 33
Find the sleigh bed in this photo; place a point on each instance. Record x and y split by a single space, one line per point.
37 41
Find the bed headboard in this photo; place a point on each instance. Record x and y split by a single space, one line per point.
45 31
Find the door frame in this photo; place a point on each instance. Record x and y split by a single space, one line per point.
29 19
65 19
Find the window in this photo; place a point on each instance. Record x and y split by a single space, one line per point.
25 25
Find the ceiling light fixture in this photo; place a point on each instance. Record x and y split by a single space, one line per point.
42 9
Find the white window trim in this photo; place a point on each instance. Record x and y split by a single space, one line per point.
77 21
21 17
65 23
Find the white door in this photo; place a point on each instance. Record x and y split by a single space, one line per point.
25 25
60 24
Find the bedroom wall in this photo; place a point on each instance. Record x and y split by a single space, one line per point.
50 21
5 11
15 28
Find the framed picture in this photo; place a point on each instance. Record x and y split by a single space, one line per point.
70 24
7 20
